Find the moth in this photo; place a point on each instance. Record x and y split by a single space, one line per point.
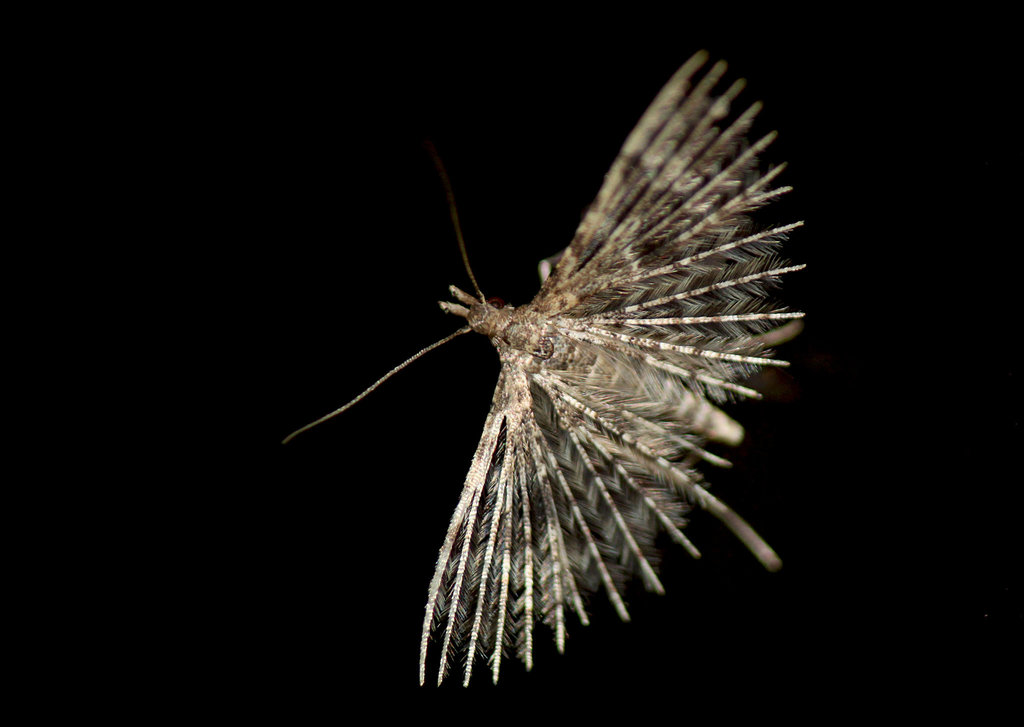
610 384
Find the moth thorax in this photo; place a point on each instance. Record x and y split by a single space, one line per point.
529 337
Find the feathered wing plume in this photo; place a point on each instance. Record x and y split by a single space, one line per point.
609 381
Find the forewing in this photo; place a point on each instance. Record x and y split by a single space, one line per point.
678 190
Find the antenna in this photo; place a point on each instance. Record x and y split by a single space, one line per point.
429 146
381 380
466 329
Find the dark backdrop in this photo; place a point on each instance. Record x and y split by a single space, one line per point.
316 241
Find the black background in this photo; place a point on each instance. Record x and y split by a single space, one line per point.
309 240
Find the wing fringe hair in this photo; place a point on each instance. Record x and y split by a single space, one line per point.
655 311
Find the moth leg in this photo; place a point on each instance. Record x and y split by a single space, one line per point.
780 335
711 422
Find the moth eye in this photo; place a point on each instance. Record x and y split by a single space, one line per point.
496 302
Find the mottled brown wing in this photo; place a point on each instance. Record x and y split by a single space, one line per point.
680 186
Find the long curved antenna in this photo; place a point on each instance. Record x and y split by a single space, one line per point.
454 213
381 380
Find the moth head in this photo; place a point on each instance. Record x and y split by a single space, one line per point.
489 317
